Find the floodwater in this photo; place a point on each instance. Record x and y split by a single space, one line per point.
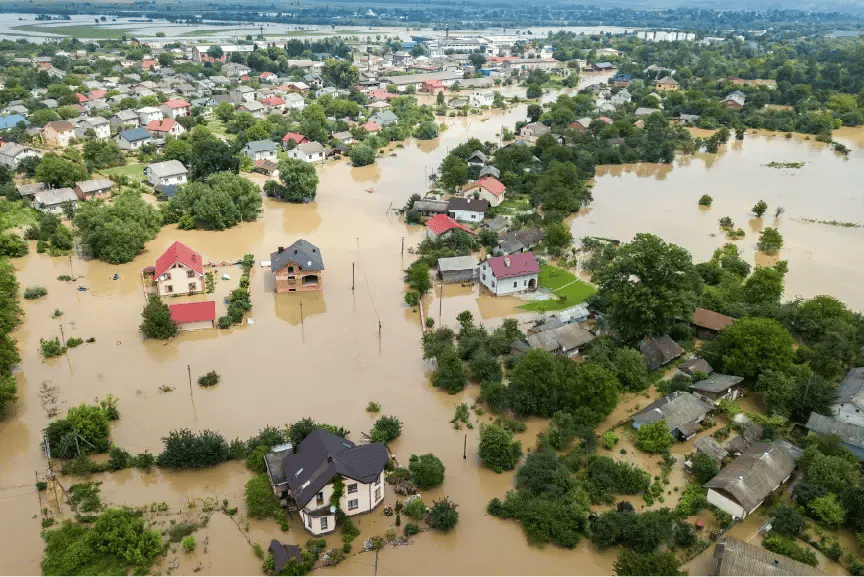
324 355
823 258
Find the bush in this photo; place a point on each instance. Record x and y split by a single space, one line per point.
610 439
415 508
770 241
74 342
498 450
373 407
704 468
118 459
144 461
654 438
209 380
494 394
789 548
34 292
443 515
705 200
188 543
51 348
156 320
427 471
411 529
260 500
187 450
225 322
91 423
412 298
386 429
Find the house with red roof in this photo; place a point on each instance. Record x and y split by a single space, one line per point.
194 316
376 95
162 128
487 188
441 225
273 103
81 98
179 270
296 137
267 76
176 108
97 94
432 85
509 274
148 64
371 127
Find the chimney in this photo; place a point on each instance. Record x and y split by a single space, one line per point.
295 251
281 249
506 262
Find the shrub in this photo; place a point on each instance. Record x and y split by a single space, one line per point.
443 515
260 500
415 508
427 471
704 468
209 380
705 200
188 543
144 461
770 241
412 298
373 407
789 548
654 437
91 423
225 322
118 459
511 424
34 292
386 429
187 450
411 529
610 439
177 532
74 342
494 394
51 348
498 450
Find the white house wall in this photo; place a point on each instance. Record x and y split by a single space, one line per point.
366 502
726 504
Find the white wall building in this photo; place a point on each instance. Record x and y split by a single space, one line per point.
509 274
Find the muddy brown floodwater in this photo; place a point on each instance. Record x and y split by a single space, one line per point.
331 362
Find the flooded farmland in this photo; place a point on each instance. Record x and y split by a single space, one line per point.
331 359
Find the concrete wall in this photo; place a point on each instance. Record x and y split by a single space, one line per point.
726 504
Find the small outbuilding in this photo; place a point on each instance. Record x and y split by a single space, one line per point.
455 269
194 316
717 387
659 351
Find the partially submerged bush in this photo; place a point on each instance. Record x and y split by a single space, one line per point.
209 380
34 292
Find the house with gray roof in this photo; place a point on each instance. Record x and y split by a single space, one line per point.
12 153
734 557
717 387
312 469
383 118
681 410
851 436
849 406
165 173
747 481
95 188
560 338
710 447
695 365
297 268
659 350
261 150
55 200
430 207
462 269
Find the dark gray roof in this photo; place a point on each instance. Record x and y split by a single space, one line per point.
530 236
850 388
478 155
695 366
659 350
302 253
282 554
473 204
489 171
677 408
509 244
457 263
30 189
565 337
734 557
754 475
261 146
323 455
848 433
134 134
717 383
430 205
710 447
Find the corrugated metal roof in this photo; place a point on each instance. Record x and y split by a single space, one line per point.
734 557
848 433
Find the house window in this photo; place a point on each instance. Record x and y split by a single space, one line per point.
169 289
353 504
378 494
167 276
192 287
190 274
309 522
515 284
352 488
323 523
493 284
319 499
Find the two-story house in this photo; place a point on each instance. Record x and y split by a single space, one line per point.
261 150
509 274
166 173
58 133
132 139
162 128
176 108
297 268
310 473
100 127
149 114
242 94
12 153
487 188
481 98
179 270
125 119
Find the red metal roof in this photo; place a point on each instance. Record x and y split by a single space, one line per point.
297 138
81 98
163 125
193 312
441 223
380 94
97 93
490 183
177 103
371 127
179 252
272 101
517 264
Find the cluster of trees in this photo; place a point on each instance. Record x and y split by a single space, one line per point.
51 235
86 429
117 232
219 201
10 317
298 181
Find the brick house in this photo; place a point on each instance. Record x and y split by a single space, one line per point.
179 271
297 268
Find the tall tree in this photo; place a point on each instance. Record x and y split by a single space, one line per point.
298 181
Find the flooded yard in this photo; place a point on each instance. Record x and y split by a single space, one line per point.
356 341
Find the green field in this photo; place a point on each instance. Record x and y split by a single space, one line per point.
216 126
561 282
133 171
16 215
77 31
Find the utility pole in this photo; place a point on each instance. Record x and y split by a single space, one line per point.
379 329
71 272
376 561
403 247
440 302
465 447
301 313
62 335
352 276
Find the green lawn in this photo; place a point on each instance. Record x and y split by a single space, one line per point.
216 126
561 282
77 31
18 215
133 171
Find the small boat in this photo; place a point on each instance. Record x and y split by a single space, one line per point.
116 276
370 190
82 289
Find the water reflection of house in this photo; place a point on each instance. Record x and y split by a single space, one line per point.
309 476
179 271
682 411
194 316
746 482
297 268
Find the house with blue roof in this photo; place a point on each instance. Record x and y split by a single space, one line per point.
133 139
11 121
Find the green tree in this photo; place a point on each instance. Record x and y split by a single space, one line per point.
103 153
630 562
498 450
260 500
417 277
59 172
759 208
91 423
630 369
453 173
561 188
484 366
751 346
215 52
770 241
654 437
646 286
8 391
763 287
210 154
828 510
534 112
704 468
341 73
117 232
386 429
477 60
224 111
427 130
362 154
12 245
443 515
157 322
427 471
558 236
450 372
298 181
